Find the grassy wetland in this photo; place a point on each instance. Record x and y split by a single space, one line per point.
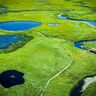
52 65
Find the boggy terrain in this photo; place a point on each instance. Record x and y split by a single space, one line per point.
53 54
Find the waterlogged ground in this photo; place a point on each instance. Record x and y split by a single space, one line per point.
50 63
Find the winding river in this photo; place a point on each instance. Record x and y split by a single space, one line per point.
79 44
61 16
84 83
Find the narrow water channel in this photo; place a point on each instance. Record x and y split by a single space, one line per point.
61 16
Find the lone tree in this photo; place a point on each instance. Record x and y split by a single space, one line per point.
3 10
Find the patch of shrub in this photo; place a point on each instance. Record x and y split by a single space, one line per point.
3 10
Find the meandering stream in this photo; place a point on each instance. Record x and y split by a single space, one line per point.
61 16
84 83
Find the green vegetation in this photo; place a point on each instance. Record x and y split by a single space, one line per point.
52 48
3 10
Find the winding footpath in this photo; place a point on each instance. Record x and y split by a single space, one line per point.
61 71
87 81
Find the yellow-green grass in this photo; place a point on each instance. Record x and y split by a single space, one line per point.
76 10
39 60
46 54
83 65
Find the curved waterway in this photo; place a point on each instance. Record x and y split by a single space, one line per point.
82 85
18 25
61 16
11 78
80 44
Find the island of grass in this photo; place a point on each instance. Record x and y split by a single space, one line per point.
91 46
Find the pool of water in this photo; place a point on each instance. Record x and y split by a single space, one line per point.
11 78
10 43
61 16
53 24
79 44
7 40
18 25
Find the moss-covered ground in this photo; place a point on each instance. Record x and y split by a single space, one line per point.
52 48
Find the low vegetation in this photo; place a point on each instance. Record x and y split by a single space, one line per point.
52 48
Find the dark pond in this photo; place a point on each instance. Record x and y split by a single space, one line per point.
66 18
77 90
18 25
11 78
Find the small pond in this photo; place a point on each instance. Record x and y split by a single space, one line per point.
11 78
10 43
7 40
53 24
18 25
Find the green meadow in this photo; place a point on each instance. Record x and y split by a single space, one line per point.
51 64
